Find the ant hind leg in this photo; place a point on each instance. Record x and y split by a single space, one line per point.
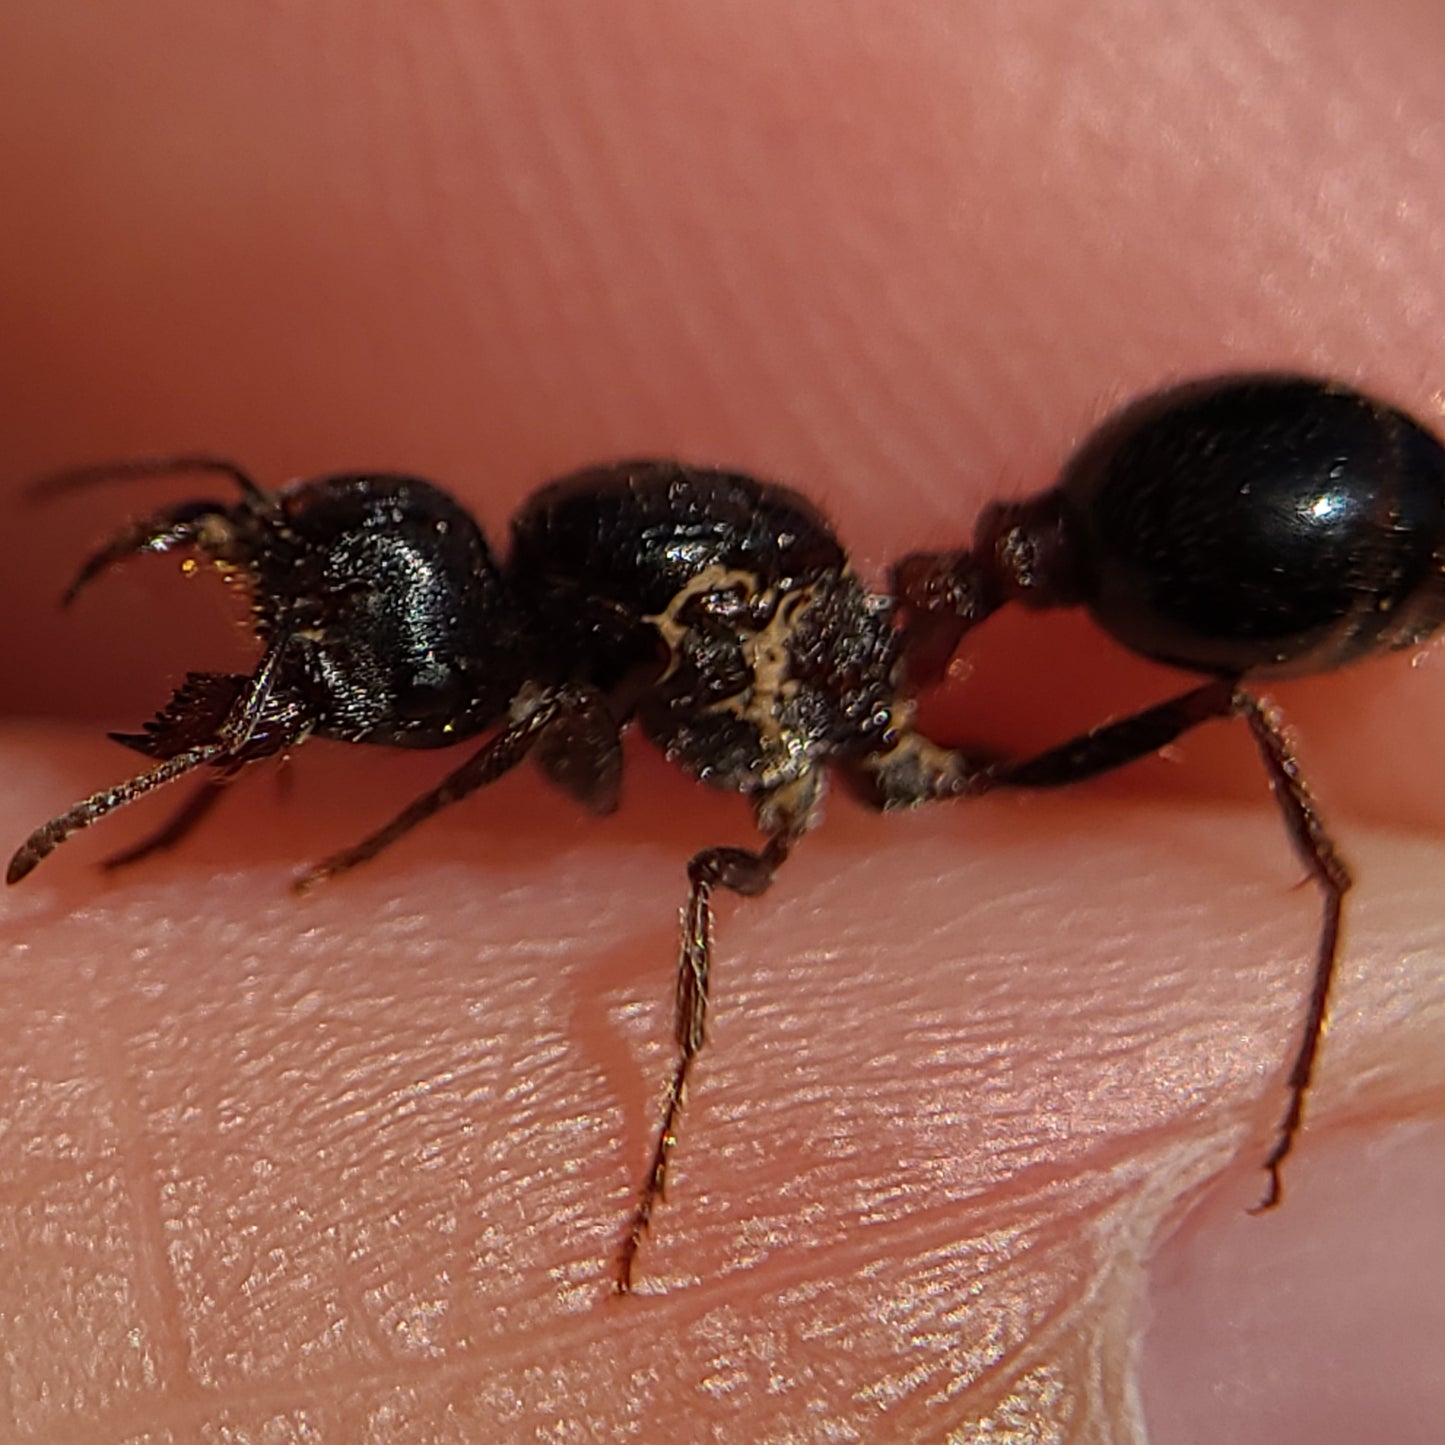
1117 744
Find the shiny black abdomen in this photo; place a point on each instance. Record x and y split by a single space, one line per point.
1259 524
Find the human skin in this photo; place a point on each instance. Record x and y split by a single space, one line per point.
987 1085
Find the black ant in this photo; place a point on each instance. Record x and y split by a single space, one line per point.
1240 527
717 611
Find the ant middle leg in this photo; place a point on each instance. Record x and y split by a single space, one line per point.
1117 744
748 874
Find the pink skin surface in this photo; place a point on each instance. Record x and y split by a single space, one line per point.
987 1086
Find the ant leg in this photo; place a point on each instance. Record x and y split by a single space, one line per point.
914 771
209 527
1313 844
1116 744
176 828
746 873
580 752
252 728
49 836
1123 742
498 755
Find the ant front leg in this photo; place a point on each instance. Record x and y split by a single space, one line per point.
214 720
49 836
178 827
575 716
1123 742
748 874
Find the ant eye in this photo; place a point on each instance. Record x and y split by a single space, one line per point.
425 698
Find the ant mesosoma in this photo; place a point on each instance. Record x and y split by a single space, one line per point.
1242 528
717 611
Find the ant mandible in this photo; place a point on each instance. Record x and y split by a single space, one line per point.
1242 527
717 611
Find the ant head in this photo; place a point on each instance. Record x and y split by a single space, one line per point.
406 632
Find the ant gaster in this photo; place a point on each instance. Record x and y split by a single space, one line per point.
1243 528
718 611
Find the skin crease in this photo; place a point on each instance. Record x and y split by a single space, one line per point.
354 1168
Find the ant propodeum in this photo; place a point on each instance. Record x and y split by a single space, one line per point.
1240 528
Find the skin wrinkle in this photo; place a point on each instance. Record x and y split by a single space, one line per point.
964 1064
